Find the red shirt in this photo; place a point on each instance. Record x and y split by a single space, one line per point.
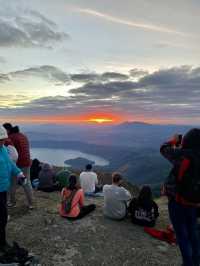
21 143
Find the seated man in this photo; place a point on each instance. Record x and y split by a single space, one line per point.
115 199
89 181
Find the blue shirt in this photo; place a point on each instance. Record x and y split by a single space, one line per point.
7 169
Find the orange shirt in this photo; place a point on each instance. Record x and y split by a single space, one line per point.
77 203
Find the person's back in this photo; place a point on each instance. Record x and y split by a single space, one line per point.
115 200
35 169
144 211
73 197
46 176
143 214
21 143
88 180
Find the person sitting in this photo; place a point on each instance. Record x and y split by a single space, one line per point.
115 198
35 169
47 179
89 181
72 196
143 210
62 177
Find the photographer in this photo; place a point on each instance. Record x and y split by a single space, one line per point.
7 170
183 192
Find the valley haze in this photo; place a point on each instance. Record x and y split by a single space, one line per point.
131 148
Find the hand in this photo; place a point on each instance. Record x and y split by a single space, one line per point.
162 191
21 179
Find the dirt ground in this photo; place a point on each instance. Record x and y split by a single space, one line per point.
92 241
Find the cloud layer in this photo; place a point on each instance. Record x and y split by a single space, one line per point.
28 29
165 94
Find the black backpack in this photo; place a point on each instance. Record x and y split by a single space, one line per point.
189 185
19 256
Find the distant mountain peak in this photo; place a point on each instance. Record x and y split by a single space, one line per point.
131 123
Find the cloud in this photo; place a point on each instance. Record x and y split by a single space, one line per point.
167 93
28 29
114 76
46 72
94 77
4 78
137 73
87 77
104 90
134 24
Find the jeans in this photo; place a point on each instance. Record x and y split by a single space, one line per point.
3 217
184 220
28 187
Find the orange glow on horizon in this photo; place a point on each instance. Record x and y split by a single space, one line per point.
92 118
97 118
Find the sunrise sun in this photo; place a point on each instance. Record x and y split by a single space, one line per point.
100 120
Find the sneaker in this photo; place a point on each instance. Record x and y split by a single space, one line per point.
11 204
30 207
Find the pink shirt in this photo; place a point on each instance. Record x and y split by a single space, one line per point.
77 203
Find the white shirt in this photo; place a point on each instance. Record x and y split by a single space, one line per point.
88 180
12 152
115 201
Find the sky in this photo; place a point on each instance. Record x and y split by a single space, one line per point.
74 61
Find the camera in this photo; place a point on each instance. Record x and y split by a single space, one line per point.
180 136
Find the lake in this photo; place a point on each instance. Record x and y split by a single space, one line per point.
58 156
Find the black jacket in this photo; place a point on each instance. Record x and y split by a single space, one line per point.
144 214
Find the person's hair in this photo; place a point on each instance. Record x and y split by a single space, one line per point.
72 182
10 128
88 166
7 126
15 129
116 177
35 162
191 139
145 195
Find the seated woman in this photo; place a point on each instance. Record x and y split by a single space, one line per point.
35 169
72 203
47 179
144 211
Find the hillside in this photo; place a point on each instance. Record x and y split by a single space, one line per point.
91 241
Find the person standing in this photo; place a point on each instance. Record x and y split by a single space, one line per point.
183 191
7 170
116 199
21 143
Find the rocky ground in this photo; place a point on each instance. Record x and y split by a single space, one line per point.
92 241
